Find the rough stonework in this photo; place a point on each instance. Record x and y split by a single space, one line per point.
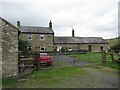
0 51
36 42
78 47
9 48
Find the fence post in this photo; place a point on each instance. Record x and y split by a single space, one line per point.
74 61
112 57
103 56
38 61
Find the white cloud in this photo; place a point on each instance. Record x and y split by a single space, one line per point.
89 17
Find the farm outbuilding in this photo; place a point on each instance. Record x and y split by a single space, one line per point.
8 48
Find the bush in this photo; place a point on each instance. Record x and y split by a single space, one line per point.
22 46
116 47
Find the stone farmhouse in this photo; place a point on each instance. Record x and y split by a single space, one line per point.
8 48
39 38
43 39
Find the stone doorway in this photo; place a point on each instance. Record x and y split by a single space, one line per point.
89 48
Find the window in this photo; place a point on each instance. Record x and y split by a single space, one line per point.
42 48
69 49
30 48
29 36
42 37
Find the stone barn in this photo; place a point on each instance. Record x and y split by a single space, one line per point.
90 44
9 48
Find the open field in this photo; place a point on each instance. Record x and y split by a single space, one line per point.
88 72
112 42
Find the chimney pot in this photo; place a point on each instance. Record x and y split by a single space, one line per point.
73 33
50 24
18 23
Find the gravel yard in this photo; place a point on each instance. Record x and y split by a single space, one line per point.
69 60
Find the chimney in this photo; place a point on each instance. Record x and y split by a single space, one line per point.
18 23
50 24
73 35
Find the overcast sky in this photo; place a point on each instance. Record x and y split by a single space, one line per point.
89 18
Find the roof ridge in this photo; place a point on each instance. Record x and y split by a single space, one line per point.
77 37
34 26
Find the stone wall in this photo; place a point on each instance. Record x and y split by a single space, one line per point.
77 47
36 42
9 49
0 50
50 46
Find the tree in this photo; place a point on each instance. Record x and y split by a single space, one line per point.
22 46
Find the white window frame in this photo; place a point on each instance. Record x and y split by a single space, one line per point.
29 47
70 49
42 47
29 35
42 36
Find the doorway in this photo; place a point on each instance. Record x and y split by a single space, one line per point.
101 48
89 48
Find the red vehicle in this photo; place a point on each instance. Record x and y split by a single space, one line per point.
44 58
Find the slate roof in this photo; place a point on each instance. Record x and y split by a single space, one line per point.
80 40
30 29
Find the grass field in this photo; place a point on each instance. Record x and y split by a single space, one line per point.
97 58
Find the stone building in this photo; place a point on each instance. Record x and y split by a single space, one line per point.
9 48
43 39
39 38
91 44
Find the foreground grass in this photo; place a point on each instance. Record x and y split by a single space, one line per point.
51 77
9 81
89 76
97 58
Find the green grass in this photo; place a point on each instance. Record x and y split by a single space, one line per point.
97 59
63 77
9 81
52 72
52 77
112 42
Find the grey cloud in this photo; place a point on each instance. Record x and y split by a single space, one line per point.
82 14
22 11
